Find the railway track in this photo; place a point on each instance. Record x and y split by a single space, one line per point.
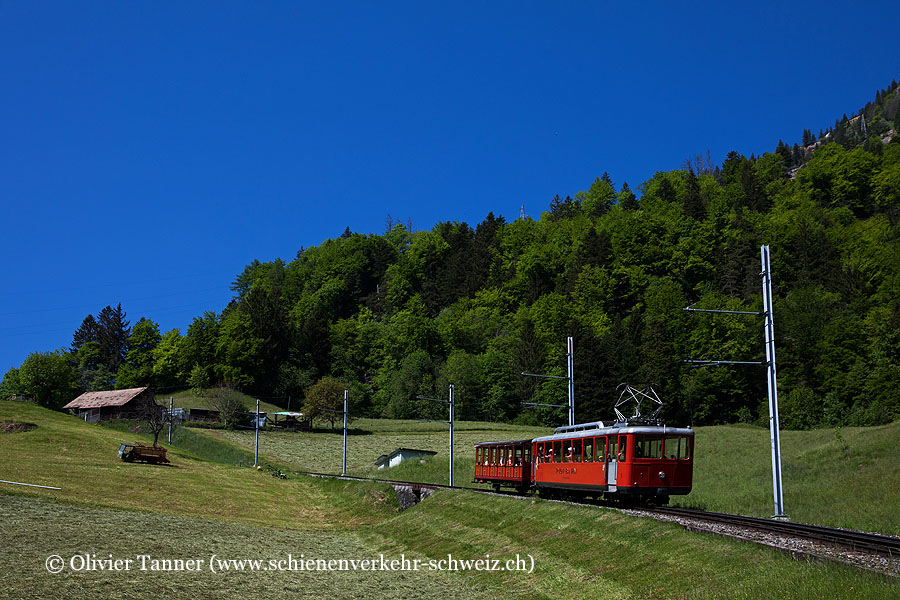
858 541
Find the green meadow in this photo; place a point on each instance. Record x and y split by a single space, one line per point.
843 478
196 508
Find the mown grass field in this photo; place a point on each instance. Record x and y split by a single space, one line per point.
323 452
846 478
196 508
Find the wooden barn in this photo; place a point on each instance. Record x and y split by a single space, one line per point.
112 404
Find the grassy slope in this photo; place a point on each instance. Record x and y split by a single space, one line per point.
187 399
323 452
591 552
69 530
81 459
193 507
198 507
845 480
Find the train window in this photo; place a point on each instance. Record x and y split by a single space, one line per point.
676 447
577 454
526 453
645 447
556 452
685 448
611 453
623 442
589 450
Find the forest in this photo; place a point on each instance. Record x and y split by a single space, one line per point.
404 313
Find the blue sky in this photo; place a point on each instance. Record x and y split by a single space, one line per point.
150 150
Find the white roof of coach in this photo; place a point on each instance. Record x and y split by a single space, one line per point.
590 430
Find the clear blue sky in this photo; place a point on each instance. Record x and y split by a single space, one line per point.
150 150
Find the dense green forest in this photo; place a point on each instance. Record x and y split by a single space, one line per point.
405 313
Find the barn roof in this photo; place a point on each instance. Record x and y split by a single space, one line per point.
109 398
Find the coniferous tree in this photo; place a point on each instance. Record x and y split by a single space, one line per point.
785 153
88 331
627 199
693 200
666 191
114 332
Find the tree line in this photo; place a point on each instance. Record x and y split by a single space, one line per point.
404 313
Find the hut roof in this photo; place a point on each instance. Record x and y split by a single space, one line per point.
108 398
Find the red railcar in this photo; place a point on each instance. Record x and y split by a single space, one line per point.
624 460
504 464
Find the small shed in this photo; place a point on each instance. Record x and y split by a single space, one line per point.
401 454
203 415
111 404
290 420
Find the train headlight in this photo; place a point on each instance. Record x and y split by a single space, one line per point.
662 474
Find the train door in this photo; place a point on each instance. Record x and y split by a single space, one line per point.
611 462
621 455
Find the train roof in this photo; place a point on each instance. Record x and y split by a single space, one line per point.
599 428
511 443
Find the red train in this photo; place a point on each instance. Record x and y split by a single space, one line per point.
622 462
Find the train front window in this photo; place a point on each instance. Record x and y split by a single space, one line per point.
677 447
647 447
611 453
623 442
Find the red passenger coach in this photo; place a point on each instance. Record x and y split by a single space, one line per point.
623 461
504 464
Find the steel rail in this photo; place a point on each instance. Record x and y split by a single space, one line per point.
854 540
